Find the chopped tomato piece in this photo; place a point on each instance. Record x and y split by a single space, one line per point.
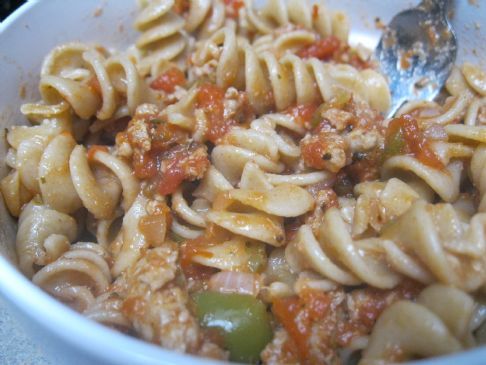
145 164
181 163
302 113
233 7
297 316
169 80
211 99
188 250
403 136
322 49
325 150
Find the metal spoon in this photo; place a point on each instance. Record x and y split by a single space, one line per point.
416 52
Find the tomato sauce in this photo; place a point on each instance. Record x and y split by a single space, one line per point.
145 165
317 151
297 315
94 85
233 7
181 163
302 113
323 49
333 49
134 307
169 80
191 248
369 305
210 98
403 136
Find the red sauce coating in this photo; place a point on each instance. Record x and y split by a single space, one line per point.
302 113
210 98
182 163
169 80
95 148
332 319
94 85
333 49
233 7
316 150
297 316
188 250
323 49
403 136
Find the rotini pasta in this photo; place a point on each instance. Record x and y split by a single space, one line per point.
236 161
448 331
289 80
299 13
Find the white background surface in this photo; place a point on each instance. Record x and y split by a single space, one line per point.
16 347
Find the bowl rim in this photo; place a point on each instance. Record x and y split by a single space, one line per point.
101 341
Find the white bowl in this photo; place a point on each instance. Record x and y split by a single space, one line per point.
25 38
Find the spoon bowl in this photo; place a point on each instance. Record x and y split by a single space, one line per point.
417 52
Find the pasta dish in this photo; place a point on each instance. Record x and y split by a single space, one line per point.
229 187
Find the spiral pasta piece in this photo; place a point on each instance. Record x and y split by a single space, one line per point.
280 13
478 174
262 219
76 277
144 225
467 102
192 216
445 182
90 83
204 17
427 252
399 332
450 251
281 83
162 37
43 235
260 144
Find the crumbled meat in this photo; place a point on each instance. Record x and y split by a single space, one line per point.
278 351
162 317
154 269
361 140
323 322
337 118
234 102
157 308
325 198
324 151
138 135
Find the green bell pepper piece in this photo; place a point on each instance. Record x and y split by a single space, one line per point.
242 319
